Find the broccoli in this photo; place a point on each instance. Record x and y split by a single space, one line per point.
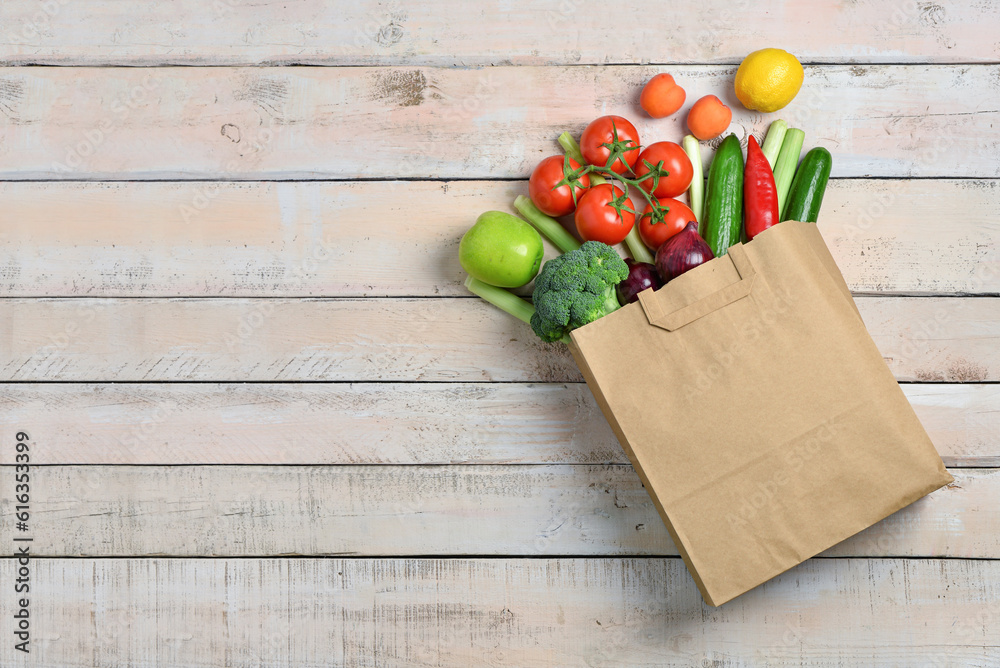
575 289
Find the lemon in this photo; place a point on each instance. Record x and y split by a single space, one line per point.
768 80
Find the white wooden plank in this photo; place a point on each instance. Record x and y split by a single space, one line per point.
428 510
352 122
962 420
908 236
532 613
923 338
930 346
307 239
307 423
232 32
384 423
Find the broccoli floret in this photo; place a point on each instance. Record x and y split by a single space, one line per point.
575 289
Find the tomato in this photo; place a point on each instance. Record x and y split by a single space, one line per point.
542 188
675 162
603 131
598 220
675 220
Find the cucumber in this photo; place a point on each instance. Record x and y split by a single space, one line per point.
723 216
808 186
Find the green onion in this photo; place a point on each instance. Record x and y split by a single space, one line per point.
788 160
550 227
696 191
772 142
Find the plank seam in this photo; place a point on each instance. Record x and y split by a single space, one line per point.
359 381
456 557
305 62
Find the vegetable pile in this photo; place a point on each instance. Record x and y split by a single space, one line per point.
595 185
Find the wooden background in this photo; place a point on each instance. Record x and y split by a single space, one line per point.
272 429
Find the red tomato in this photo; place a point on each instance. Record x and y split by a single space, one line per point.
675 162
598 220
552 200
675 220
602 131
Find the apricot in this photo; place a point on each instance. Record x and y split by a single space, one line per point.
661 96
709 118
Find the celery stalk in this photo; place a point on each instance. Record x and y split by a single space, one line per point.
772 142
636 247
788 161
550 227
696 191
570 146
504 300
572 149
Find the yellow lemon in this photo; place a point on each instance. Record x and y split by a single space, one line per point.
768 80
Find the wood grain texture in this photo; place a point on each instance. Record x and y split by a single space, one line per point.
385 423
366 239
922 338
258 511
231 32
359 122
417 119
534 613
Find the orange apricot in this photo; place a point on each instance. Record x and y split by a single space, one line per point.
661 96
709 118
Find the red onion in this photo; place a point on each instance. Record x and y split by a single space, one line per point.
682 252
641 275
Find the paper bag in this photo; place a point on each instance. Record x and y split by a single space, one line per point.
757 410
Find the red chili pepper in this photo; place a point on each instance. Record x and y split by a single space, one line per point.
760 197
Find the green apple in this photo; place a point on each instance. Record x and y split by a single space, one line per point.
502 250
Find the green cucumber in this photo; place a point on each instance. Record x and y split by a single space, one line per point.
808 186
723 216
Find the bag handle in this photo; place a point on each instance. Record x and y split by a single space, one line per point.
713 302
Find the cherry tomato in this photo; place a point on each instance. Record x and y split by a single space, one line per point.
675 162
552 200
602 131
675 220
598 220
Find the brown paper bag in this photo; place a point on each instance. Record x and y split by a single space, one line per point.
757 410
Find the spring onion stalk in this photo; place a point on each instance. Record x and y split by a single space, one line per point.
696 191
504 300
636 247
772 142
572 149
788 160
551 228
